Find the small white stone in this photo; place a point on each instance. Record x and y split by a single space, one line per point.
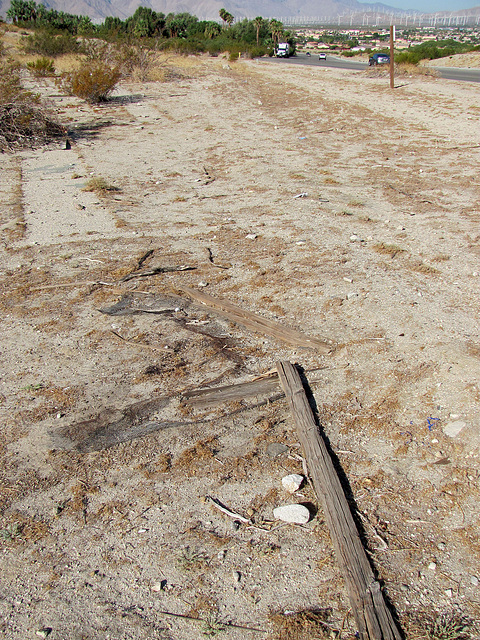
452 429
449 593
352 294
354 238
294 513
474 581
203 284
432 566
292 482
251 236
157 587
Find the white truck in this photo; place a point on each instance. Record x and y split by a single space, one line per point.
283 50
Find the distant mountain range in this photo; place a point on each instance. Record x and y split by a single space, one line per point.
98 10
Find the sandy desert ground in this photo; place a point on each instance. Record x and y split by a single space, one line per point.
317 198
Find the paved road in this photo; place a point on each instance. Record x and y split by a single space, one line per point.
449 73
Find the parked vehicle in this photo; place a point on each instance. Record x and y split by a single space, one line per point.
379 58
322 56
283 50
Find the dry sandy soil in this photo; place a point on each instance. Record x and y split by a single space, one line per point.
107 464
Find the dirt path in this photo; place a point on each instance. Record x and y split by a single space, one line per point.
380 256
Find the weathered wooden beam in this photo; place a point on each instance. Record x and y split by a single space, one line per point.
373 617
257 323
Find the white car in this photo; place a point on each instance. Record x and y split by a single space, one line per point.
322 56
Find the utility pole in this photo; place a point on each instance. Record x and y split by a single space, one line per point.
392 70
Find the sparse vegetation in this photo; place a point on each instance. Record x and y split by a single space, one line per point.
99 186
94 82
42 67
47 44
24 120
302 625
449 627
432 50
11 532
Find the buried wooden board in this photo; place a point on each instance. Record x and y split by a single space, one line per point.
114 426
373 617
258 324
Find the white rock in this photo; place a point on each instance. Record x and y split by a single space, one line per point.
452 429
474 581
294 513
292 482
251 236
432 566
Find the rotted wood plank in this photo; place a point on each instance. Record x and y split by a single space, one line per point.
257 323
373 617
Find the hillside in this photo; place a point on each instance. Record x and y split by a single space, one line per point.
207 9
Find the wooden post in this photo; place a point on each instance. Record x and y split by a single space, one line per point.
373 617
392 70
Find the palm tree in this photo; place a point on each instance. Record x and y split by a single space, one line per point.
276 29
258 22
222 13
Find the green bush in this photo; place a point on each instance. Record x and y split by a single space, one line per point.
50 45
42 68
432 51
94 82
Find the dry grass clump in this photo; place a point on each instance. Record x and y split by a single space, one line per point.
391 250
99 186
408 69
24 120
42 67
309 624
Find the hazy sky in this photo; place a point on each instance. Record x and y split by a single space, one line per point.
430 6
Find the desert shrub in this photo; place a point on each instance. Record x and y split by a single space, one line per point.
24 121
42 67
47 44
94 81
130 60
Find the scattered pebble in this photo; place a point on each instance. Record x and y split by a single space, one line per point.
44 632
203 284
292 482
251 236
452 429
294 513
449 593
237 576
352 294
474 581
432 566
